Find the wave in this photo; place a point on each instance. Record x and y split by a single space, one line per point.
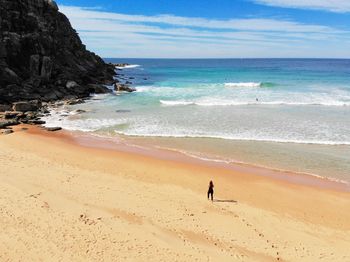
244 84
71 120
237 138
127 66
176 103
243 103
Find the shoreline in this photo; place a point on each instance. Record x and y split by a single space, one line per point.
98 202
148 144
123 143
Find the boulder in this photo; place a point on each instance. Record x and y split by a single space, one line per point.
123 88
6 123
71 84
26 106
36 122
79 111
12 114
74 102
53 129
98 89
6 131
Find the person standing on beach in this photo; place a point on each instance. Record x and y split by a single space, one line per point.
211 190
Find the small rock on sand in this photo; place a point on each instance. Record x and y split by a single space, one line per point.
53 129
6 131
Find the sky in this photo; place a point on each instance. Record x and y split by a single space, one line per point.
212 28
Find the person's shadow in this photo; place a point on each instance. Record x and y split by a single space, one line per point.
225 201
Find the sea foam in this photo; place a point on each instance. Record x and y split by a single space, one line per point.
244 84
223 102
127 66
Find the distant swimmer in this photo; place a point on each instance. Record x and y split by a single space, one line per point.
257 100
211 190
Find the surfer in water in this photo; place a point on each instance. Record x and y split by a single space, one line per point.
211 190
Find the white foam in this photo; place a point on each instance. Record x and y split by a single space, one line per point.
218 102
243 84
175 103
127 66
139 133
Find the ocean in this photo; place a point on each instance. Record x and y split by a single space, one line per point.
288 114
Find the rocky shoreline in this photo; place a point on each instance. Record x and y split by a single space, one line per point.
30 112
42 60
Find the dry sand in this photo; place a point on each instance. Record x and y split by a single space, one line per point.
60 201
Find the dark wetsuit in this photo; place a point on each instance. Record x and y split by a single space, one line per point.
211 191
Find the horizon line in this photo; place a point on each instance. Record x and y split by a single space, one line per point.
240 58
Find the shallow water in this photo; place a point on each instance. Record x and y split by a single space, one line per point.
286 114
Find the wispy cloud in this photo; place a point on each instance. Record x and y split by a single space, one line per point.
121 35
341 6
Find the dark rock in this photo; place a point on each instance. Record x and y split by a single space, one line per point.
80 111
121 65
4 108
11 114
46 68
53 129
36 122
26 106
71 84
30 115
6 123
8 76
123 87
128 83
34 65
98 89
74 102
6 131
40 53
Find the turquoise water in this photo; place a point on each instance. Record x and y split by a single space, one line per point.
281 104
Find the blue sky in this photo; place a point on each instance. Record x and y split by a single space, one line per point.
210 29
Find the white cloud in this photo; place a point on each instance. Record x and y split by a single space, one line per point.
341 6
121 35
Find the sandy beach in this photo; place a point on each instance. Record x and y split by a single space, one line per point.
61 201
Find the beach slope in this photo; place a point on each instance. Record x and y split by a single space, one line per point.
63 201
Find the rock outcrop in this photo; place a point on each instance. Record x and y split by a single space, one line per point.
42 56
123 88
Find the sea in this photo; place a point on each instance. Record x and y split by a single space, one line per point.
284 114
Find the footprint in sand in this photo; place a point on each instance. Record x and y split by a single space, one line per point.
45 205
88 221
36 195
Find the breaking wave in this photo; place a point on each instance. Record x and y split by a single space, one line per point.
244 84
243 103
127 66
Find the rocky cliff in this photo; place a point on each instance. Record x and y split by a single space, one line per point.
42 56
